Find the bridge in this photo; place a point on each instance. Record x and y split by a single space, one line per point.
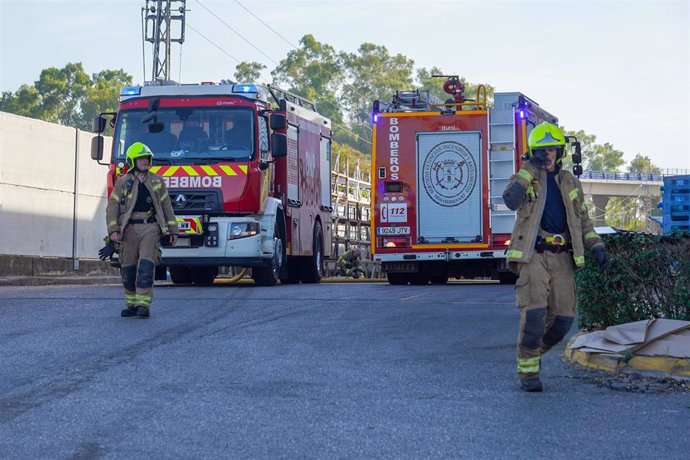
603 185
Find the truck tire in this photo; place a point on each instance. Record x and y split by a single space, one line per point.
439 279
312 270
419 279
398 278
269 276
204 276
507 277
180 275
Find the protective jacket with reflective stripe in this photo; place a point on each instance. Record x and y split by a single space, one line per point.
124 197
526 193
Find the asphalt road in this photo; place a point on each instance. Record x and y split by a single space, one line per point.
361 370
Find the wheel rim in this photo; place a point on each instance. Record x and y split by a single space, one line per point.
319 259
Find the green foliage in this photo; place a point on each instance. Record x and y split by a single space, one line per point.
248 71
649 277
372 73
643 164
313 71
68 96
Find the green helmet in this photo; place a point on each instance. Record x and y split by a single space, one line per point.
546 135
138 150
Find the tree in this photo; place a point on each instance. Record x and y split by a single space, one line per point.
313 72
643 164
248 71
606 158
102 95
68 96
372 73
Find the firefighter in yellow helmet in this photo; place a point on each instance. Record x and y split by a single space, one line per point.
552 231
138 213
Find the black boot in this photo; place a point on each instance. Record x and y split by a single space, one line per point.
142 311
129 311
531 384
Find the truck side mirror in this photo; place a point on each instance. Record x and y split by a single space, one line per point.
278 121
98 125
97 148
279 144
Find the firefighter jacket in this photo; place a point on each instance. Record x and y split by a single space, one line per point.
526 193
124 197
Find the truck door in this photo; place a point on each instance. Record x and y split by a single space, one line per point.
449 183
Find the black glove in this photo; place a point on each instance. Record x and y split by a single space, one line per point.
538 159
602 258
107 251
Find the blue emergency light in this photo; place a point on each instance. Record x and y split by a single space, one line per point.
130 91
244 89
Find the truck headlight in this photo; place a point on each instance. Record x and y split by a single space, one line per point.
242 230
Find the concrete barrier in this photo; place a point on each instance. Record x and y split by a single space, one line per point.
52 195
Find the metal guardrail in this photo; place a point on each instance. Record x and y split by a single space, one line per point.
633 176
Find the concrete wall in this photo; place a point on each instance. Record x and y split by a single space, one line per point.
44 211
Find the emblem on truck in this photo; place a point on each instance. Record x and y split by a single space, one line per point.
449 174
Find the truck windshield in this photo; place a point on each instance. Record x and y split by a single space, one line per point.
189 135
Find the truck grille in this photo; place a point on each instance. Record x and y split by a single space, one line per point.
195 201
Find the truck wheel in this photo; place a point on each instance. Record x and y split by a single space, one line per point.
507 277
204 276
439 279
180 275
313 267
269 276
398 278
419 279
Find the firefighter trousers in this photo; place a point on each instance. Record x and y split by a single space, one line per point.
139 255
545 292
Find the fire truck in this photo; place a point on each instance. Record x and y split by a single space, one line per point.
247 170
438 173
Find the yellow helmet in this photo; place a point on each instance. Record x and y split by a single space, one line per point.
546 135
138 150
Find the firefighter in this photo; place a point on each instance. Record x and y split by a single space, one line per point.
551 233
350 262
139 212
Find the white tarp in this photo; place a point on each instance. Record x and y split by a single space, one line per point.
654 337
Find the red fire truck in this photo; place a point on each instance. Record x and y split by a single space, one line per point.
249 181
438 174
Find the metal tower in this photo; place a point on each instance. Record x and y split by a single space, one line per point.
162 18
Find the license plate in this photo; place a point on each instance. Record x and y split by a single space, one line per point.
393 231
189 225
183 243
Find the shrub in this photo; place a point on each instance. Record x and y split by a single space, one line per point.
649 277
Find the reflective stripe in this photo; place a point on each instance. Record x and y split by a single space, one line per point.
590 235
584 207
157 186
164 197
114 196
514 254
112 223
525 175
130 299
143 299
572 194
579 260
528 365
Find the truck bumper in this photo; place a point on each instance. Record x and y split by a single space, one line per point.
250 251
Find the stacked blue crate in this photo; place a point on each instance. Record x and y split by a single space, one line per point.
675 204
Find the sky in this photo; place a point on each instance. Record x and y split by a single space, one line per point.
617 69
